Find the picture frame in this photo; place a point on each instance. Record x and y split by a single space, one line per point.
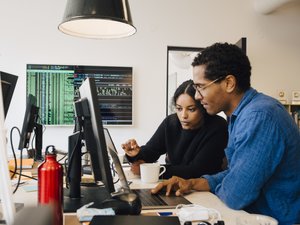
296 97
179 69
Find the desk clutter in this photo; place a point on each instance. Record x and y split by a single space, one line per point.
184 214
26 163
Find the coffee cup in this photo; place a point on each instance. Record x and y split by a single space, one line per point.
150 172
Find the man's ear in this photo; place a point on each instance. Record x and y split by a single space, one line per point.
230 83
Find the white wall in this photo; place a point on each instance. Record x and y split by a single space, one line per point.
29 34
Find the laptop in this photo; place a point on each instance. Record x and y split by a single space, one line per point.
135 220
149 201
110 144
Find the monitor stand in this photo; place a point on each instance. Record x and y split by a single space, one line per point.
88 194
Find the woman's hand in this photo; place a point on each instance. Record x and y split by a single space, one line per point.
131 147
135 167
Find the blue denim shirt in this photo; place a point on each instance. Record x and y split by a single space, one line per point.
263 154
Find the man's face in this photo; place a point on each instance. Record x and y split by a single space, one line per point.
208 92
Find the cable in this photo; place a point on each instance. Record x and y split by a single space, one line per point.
14 172
19 178
114 172
23 175
61 159
13 150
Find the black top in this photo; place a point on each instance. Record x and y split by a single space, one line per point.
189 153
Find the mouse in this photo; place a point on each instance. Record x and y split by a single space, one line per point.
124 204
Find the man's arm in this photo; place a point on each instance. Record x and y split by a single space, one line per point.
253 157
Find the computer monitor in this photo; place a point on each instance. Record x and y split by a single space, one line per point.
56 87
5 183
30 124
89 129
8 83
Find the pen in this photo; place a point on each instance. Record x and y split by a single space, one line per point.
165 213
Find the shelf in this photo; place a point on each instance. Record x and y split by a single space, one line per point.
294 110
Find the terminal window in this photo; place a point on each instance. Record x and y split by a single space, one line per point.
56 89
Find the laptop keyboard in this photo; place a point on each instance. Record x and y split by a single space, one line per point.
149 199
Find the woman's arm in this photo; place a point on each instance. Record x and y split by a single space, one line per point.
154 148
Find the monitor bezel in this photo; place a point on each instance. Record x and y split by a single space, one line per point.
88 91
30 118
9 81
6 197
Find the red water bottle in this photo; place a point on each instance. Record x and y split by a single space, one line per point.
50 185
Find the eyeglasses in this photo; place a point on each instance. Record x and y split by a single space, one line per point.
201 89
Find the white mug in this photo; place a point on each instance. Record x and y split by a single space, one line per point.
255 219
150 172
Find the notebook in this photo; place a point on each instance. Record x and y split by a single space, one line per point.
149 201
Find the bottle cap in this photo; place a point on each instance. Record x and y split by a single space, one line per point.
52 152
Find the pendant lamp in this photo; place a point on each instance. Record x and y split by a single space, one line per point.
98 19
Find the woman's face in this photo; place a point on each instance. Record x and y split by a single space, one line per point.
187 112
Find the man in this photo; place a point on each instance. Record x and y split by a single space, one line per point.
263 151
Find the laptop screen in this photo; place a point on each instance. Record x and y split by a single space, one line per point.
118 166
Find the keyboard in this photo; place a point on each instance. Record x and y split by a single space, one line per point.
149 199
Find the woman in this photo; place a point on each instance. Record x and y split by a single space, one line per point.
192 140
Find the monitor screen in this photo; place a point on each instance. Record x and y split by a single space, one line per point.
30 124
91 131
8 84
88 91
6 197
56 88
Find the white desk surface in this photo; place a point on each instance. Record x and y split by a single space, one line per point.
205 199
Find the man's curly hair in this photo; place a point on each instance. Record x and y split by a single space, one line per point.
222 59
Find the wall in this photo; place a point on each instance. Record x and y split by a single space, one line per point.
29 34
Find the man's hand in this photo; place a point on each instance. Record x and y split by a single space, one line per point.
179 185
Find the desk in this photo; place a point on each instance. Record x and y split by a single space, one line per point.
205 199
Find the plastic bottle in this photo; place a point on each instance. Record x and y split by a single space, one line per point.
50 185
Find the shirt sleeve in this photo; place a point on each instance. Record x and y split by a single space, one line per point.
154 148
254 151
215 180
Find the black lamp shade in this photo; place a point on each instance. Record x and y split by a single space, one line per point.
100 19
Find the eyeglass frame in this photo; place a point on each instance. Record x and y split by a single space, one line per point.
199 89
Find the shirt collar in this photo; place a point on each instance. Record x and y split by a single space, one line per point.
249 94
